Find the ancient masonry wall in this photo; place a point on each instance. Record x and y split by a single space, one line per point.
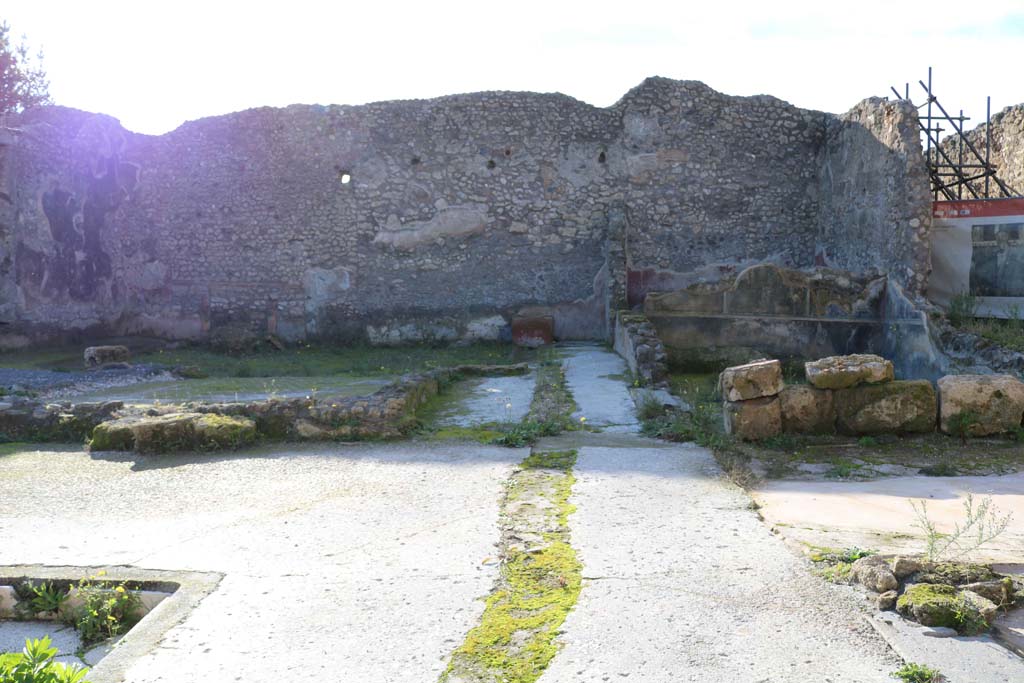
436 219
875 205
1006 152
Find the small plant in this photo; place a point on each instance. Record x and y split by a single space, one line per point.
35 664
867 442
105 611
46 598
962 423
962 308
982 524
917 673
649 407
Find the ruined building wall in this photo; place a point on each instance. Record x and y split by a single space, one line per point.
459 212
1006 151
875 206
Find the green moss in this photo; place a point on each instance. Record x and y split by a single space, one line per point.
481 434
114 435
12 448
940 605
515 640
325 360
223 431
551 460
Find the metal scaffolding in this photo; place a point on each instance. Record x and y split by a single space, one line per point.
957 168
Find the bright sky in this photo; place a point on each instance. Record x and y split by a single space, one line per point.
156 64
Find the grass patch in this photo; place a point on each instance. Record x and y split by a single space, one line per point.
917 673
325 360
484 434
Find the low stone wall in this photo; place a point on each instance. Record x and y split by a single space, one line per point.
768 311
637 341
858 395
388 413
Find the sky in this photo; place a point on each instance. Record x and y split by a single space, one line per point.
157 64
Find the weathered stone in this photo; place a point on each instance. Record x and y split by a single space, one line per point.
988 609
939 632
873 573
753 420
903 566
886 601
999 591
940 605
894 407
223 431
8 599
534 331
754 380
96 356
173 432
806 410
988 404
843 372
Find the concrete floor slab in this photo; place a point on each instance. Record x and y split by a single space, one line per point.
978 659
877 514
597 378
490 399
683 583
341 562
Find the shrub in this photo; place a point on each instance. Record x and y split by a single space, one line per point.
917 673
105 611
35 665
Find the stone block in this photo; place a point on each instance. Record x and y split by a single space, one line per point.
96 356
753 380
8 599
806 410
891 408
995 403
533 331
753 420
843 372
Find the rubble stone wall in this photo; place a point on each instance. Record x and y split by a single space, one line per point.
430 219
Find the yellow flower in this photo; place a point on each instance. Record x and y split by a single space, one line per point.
583 419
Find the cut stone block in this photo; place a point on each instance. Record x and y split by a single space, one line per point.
533 331
843 372
96 356
753 380
806 410
173 432
753 420
890 408
1010 627
994 403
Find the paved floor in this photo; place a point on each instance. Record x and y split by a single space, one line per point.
342 563
682 582
878 514
597 379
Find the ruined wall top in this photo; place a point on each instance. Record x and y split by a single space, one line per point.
410 219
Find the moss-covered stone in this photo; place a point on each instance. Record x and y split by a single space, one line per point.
889 408
933 604
223 431
115 435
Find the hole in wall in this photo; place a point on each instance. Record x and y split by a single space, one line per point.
602 157
508 151
414 161
490 163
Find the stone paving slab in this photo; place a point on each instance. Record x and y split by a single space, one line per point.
341 562
597 379
682 582
977 659
491 399
877 514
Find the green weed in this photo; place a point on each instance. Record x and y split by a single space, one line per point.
917 673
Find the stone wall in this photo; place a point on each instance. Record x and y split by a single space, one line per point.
1006 152
430 219
875 204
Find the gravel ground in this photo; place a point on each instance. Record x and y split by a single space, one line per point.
53 385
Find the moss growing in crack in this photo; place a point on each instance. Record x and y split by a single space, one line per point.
537 586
